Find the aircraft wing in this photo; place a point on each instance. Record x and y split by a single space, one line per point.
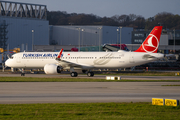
71 64
148 56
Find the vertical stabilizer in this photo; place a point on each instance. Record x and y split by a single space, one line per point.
151 43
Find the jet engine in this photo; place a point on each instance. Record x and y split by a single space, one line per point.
52 69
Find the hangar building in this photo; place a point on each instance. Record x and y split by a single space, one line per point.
89 35
23 25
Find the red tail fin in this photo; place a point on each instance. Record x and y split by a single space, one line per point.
151 43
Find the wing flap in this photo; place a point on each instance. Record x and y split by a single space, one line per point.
71 64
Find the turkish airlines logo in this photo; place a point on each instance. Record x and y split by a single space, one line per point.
151 44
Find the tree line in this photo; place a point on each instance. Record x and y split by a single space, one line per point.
167 20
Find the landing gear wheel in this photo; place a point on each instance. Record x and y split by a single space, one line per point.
74 74
90 74
22 74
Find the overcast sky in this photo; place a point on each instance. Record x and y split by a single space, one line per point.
108 8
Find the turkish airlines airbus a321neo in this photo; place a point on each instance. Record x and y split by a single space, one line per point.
54 62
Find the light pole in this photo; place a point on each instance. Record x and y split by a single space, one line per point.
82 35
32 39
79 29
117 37
96 39
99 36
120 37
79 38
174 41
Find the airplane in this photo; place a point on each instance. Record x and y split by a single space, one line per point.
54 62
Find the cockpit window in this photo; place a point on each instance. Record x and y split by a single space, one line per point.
10 56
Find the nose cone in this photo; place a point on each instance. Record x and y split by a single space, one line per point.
8 63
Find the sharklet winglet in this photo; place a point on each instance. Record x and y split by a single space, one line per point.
59 55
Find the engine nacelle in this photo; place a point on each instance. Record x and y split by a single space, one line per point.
52 69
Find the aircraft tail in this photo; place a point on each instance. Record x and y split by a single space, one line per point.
151 43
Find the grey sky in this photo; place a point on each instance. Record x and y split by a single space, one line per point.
108 8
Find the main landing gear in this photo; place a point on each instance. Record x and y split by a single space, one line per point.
90 74
75 74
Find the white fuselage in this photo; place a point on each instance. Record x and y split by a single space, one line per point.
83 60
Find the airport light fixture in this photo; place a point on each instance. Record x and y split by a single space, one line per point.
99 37
120 37
32 39
82 35
79 39
117 36
174 41
79 29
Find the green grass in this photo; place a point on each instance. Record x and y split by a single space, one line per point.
88 111
33 79
119 73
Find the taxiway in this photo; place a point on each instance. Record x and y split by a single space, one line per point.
82 92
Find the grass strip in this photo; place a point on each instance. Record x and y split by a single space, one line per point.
129 73
88 111
33 79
